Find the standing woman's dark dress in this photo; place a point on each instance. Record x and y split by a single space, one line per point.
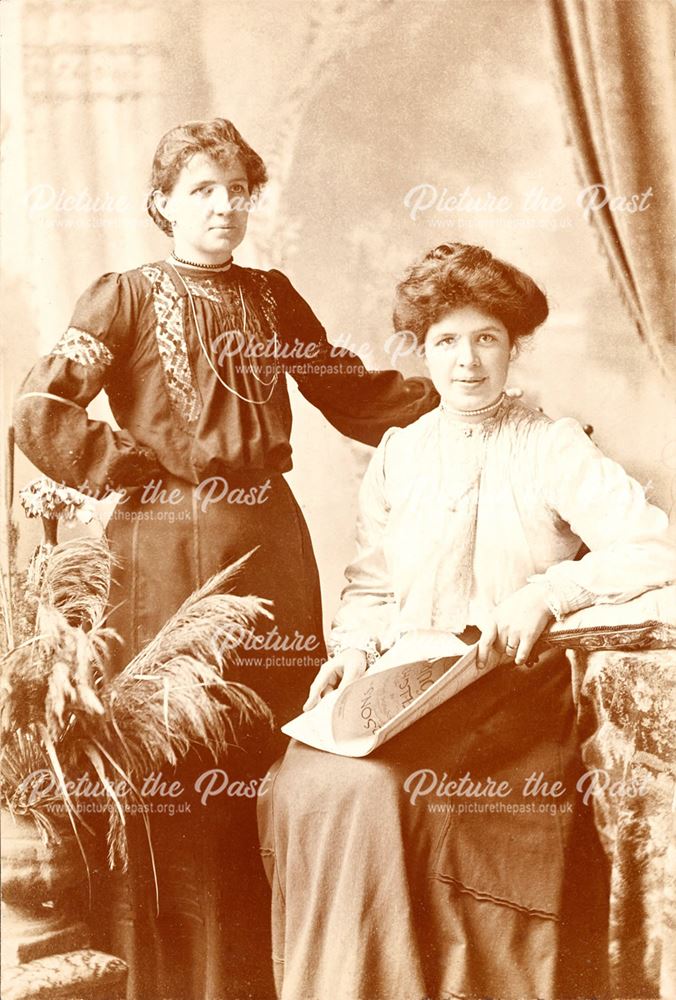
156 339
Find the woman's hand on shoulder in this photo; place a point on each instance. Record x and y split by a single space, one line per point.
339 671
514 627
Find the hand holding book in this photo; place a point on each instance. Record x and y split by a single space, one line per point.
513 627
343 668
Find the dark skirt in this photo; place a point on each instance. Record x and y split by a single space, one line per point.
384 894
207 935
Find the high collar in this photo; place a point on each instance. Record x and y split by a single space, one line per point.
490 414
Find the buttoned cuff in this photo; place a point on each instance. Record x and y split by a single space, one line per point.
562 595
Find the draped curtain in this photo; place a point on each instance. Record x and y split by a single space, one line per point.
612 63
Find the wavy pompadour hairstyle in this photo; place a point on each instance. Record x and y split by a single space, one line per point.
454 275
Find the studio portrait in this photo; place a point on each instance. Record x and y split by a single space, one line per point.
339 483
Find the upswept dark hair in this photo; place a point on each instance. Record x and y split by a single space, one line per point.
219 139
458 274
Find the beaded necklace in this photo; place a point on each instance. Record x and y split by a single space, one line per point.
205 267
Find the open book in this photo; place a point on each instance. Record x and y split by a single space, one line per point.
423 669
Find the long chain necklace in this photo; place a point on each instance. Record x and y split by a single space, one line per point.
245 399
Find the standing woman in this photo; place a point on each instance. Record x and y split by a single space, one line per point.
192 352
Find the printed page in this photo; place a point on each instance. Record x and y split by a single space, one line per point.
377 698
422 669
459 674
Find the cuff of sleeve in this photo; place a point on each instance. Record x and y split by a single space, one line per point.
133 468
562 596
368 645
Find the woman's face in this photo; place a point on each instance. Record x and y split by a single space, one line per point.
467 353
208 208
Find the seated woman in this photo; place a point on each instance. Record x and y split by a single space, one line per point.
388 881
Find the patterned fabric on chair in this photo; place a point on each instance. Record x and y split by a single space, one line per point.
627 712
84 974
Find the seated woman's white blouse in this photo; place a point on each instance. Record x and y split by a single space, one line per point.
455 517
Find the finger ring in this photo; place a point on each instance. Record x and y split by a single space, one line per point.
508 645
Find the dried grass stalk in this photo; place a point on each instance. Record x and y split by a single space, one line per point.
173 697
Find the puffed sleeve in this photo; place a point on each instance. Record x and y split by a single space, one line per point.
51 423
359 403
630 551
368 607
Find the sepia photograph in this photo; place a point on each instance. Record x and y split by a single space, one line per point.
338 640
